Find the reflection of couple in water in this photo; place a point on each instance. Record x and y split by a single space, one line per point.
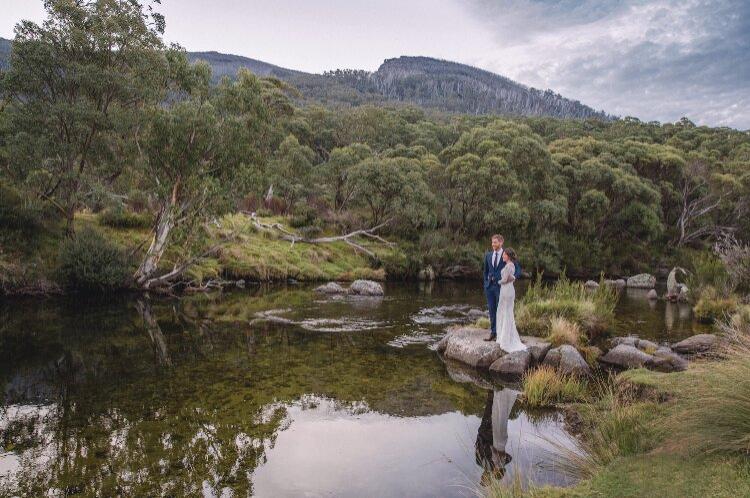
492 436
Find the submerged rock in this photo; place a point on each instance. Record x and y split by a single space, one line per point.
330 288
567 360
626 356
366 288
537 347
700 343
641 281
467 345
512 364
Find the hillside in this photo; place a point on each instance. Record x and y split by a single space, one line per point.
423 81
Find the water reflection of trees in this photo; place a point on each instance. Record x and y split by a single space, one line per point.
109 418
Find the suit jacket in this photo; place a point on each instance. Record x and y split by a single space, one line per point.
492 273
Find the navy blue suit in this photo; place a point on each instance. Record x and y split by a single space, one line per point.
491 275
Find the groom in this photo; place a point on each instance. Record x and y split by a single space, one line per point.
493 265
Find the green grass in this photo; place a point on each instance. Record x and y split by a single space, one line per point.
591 310
544 386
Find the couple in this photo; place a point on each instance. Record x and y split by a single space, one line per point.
500 271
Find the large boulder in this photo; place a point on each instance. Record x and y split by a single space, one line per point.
330 288
467 345
641 281
366 288
567 360
512 364
537 347
700 343
626 356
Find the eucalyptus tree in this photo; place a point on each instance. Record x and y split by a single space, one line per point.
75 83
201 151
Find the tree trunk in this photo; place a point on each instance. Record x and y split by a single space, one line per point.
155 251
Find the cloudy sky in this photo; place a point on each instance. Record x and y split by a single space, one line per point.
653 59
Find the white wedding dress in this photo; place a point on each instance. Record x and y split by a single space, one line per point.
507 334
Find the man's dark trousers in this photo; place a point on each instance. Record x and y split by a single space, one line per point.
493 296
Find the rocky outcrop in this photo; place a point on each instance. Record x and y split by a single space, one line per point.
330 288
701 343
641 281
512 364
567 360
537 347
366 288
626 356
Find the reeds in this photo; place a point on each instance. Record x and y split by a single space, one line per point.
544 386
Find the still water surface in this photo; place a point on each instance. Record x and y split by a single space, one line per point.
270 391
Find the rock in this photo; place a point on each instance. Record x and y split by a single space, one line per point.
537 347
475 314
366 288
330 288
458 372
467 345
683 294
642 344
427 273
700 343
626 356
591 284
641 281
525 275
240 283
619 283
652 295
567 360
442 344
512 364
459 271
674 287
664 360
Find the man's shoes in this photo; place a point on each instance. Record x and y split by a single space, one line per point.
490 338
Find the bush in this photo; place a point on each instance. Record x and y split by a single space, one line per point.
118 217
91 263
708 273
546 387
16 214
711 306
736 259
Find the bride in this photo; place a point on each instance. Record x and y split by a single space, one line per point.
507 334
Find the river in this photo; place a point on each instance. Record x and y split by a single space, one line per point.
330 397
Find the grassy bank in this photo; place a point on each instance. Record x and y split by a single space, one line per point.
31 263
645 433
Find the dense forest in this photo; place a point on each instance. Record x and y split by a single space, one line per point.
100 118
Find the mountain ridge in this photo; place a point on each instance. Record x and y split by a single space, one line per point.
428 82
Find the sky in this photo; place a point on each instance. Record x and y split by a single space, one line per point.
652 59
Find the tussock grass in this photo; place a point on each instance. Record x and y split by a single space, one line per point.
591 310
563 331
713 410
544 386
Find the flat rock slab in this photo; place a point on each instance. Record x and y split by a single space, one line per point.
512 364
467 345
700 343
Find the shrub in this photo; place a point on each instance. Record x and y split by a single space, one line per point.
544 386
711 306
708 274
16 214
91 263
736 259
563 331
118 217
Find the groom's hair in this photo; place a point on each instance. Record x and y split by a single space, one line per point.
498 237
